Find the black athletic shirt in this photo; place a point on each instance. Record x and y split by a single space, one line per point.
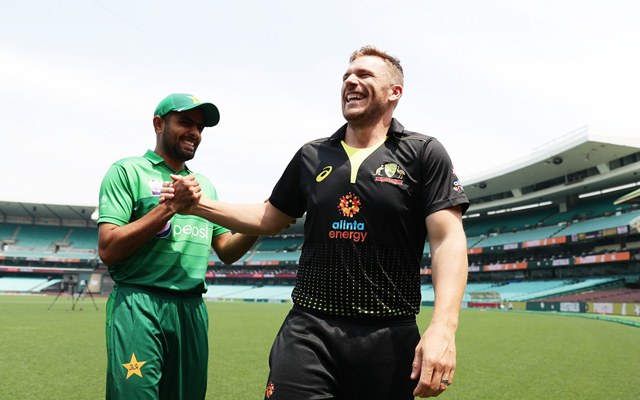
364 240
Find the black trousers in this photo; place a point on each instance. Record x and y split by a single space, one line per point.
317 356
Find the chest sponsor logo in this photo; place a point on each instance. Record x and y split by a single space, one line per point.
155 186
183 230
324 173
349 205
390 173
165 231
348 228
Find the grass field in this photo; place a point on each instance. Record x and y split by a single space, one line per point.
60 354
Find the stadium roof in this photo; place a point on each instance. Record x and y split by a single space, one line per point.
577 163
633 197
35 212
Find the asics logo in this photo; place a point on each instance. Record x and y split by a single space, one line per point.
324 173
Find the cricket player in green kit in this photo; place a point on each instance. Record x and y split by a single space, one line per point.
157 322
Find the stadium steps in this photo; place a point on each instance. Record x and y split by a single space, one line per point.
227 291
566 287
579 287
47 285
11 284
248 292
8 232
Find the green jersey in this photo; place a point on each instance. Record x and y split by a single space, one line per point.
176 258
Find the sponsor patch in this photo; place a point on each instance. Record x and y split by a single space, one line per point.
165 231
269 390
155 186
348 206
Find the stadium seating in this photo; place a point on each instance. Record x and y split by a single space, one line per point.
8 231
276 243
619 295
11 284
40 236
600 223
488 238
250 293
587 209
83 238
279 256
507 222
517 237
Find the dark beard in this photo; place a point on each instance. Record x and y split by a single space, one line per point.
366 117
174 150
177 153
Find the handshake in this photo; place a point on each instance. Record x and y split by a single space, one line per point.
182 194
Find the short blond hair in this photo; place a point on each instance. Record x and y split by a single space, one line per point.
392 62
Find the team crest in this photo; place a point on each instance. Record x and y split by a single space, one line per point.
390 173
134 366
390 169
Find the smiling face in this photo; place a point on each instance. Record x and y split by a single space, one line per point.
368 90
178 136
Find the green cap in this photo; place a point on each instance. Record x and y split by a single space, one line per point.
179 102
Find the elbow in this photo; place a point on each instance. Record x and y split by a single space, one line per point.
106 257
227 260
273 227
270 231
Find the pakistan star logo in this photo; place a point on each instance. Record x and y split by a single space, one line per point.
349 205
133 366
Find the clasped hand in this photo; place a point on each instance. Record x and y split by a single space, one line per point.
181 194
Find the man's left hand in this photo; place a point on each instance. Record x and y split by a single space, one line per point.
435 361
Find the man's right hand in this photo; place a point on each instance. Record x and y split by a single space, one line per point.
182 194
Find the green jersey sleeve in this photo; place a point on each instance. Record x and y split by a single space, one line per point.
116 198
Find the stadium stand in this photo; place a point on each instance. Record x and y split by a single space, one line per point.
83 238
555 227
26 285
250 293
620 295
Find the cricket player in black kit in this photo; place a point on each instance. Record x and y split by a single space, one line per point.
371 193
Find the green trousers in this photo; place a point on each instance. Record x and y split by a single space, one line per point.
157 345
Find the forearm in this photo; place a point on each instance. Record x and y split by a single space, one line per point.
435 357
117 243
250 219
449 265
234 247
449 273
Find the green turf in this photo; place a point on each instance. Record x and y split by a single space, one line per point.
60 354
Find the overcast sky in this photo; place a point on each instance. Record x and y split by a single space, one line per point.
492 79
